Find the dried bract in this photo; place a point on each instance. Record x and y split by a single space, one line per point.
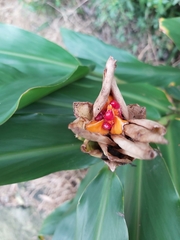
113 131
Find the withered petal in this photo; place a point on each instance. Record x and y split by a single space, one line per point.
134 149
95 152
149 124
119 98
83 109
77 123
95 137
112 158
141 134
112 165
106 86
136 111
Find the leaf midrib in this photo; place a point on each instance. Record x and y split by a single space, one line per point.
171 176
55 103
139 183
25 56
102 208
34 151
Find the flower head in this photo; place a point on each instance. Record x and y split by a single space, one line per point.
113 131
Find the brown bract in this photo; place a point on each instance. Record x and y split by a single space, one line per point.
137 131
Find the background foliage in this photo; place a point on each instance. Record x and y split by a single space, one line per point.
129 24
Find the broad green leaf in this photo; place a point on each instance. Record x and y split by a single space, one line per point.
128 68
100 210
88 63
32 54
152 203
35 145
146 95
62 222
149 96
88 47
174 91
172 152
30 68
66 228
170 27
18 90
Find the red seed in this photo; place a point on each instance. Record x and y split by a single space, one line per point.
109 115
99 117
115 104
106 126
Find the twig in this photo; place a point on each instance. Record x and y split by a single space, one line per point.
73 10
152 47
141 55
176 63
80 5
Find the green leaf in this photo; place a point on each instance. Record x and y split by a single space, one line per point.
100 209
170 27
172 152
32 54
152 203
128 68
62 222
93 49
85 62
149 96
174 91
35 145
30 68
66 228
22 89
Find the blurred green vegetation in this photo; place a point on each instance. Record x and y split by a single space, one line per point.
131 24
133 21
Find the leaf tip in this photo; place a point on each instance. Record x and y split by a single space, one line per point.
161 27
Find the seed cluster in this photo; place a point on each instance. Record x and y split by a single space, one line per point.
113 109
108 120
